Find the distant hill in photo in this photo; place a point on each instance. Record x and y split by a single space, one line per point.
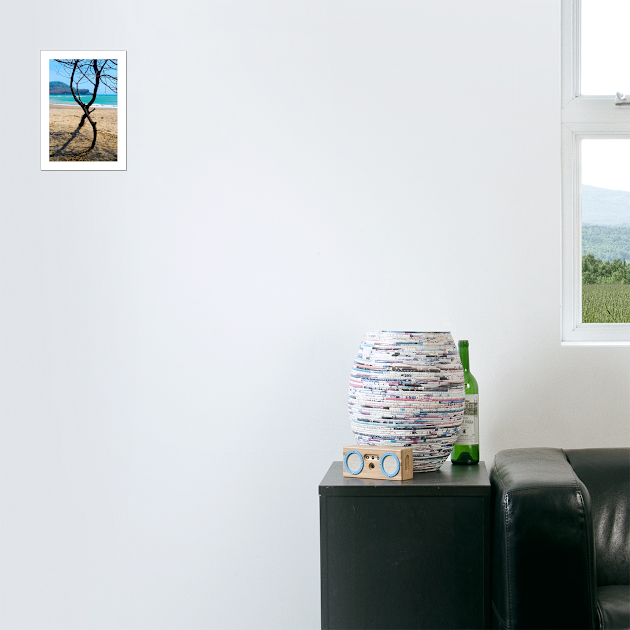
606 223
606 242
601 206
57 87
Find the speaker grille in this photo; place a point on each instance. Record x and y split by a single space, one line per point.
390 464
354 463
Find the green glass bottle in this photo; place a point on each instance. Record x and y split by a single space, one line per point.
466 449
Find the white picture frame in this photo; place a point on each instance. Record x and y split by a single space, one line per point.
120 163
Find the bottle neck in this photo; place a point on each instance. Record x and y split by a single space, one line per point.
463 353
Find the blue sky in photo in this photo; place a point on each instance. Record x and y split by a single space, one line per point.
57 72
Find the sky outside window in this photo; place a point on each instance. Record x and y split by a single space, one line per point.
606 163
605 51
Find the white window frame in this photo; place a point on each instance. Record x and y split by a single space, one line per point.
582 117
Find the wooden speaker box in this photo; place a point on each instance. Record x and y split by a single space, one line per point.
376 462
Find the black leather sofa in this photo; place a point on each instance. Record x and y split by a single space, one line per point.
561 540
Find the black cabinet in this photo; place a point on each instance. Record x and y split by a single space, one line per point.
406 554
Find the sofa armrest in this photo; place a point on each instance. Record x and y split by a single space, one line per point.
543 572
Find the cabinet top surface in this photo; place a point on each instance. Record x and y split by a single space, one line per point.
449 480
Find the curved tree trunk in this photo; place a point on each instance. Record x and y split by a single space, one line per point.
86 107
95 132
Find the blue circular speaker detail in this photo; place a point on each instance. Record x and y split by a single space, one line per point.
389 464
357 469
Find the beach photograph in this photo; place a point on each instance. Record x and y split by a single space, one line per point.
82 102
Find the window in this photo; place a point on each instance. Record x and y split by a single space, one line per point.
595 172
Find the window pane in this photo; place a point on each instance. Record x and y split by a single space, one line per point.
605 49
605 231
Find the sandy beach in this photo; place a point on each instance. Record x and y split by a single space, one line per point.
67 145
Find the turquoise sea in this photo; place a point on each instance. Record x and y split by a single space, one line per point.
102 100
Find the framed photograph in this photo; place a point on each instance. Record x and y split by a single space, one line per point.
84 110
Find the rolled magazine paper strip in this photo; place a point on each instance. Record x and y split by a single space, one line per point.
620 99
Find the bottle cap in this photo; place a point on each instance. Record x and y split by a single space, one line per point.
463 342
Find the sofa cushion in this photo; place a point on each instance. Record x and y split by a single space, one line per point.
613 606
606 474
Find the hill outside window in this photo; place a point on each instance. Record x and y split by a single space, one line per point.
595 119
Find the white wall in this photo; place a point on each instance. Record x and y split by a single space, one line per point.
176 339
